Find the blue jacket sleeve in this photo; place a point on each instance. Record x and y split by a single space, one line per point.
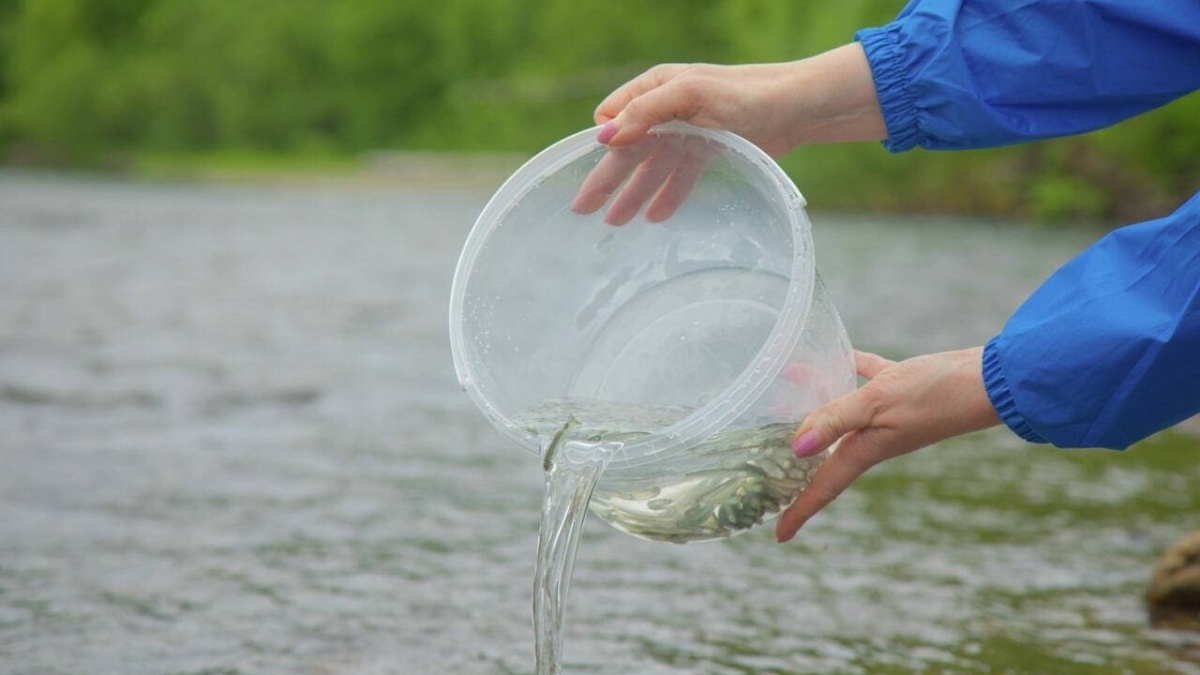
955 74
1107 350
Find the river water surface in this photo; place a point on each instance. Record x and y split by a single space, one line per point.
231 441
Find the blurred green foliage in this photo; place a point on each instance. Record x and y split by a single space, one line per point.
87 81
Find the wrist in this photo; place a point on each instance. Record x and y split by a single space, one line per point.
976 409
831 98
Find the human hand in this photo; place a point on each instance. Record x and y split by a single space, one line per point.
904 406
777 106
664 168
754 101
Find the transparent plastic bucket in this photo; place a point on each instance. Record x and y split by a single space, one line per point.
712 311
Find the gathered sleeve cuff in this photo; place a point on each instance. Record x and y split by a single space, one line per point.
1001 395
896 101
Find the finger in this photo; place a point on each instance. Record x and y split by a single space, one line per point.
833 420
680 184
852 459
799 373
649 177
869 365
680 98
608 174
615 102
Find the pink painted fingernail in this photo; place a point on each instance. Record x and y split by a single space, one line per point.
607 132
806 444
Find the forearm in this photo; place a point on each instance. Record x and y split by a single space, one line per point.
831 98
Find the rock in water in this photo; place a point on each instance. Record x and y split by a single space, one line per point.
1173 598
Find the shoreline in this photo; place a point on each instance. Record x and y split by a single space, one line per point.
379 169
999 197
384 170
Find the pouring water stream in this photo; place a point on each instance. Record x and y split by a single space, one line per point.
572 469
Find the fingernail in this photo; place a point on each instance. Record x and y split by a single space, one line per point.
607 132
806 444
583 205
785 538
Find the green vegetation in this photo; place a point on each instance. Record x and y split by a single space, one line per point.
105 82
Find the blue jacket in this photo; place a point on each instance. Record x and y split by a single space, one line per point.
1107 350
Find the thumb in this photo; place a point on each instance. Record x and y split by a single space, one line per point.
831 421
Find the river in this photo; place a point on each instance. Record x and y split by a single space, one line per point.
231 441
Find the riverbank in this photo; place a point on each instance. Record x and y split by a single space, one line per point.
402 170
1068 183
